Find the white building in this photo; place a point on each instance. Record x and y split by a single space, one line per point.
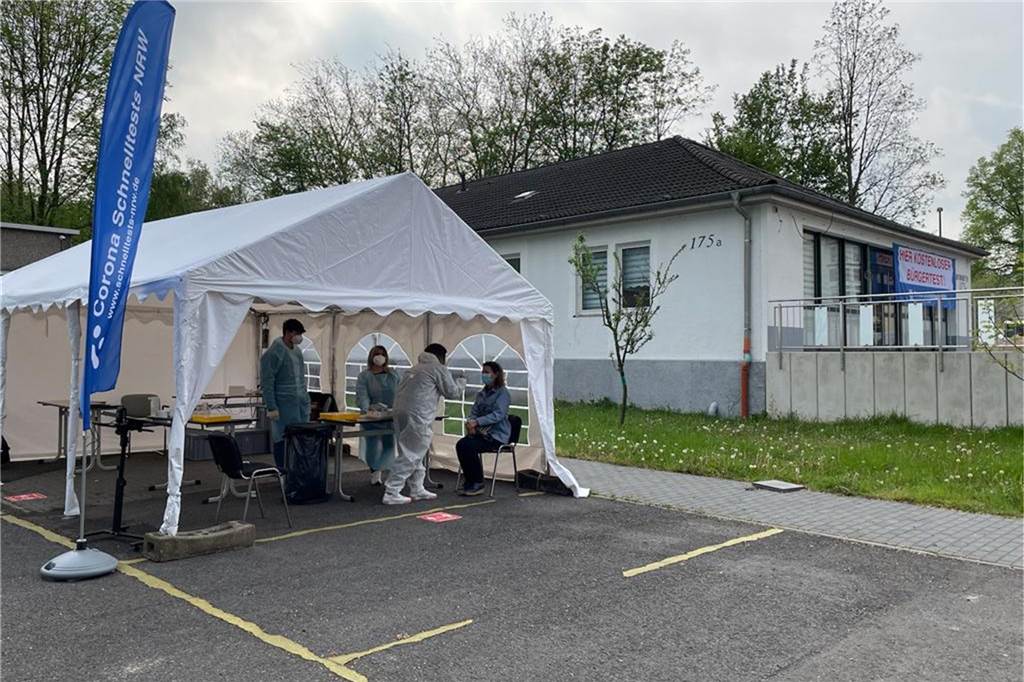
644 203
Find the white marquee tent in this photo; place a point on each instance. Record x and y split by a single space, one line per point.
382 255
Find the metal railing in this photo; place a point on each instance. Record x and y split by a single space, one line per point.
941 321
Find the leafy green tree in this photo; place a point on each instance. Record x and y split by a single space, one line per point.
527 96
886 169
783 127
54 61
601 94
994 215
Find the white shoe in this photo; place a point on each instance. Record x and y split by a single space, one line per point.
375 478
422 495
398 498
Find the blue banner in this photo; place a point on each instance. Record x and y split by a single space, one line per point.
124 168
921 272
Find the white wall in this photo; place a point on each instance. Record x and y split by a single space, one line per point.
702 313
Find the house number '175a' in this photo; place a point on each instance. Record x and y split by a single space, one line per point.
703 241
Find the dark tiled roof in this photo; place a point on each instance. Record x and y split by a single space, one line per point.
664 174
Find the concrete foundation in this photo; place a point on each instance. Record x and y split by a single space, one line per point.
219 538
804 385
682 385
958 388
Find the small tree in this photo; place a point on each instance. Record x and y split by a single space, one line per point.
627 313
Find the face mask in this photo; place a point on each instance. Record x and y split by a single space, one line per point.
297 339
488 379
379 360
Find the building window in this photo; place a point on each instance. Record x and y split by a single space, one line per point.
356 361
636 276
468 359
809 268
313 366
514 260
829 267
853 269
590 300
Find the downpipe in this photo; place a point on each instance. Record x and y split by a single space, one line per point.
746 357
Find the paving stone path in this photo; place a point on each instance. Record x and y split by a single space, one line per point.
977 537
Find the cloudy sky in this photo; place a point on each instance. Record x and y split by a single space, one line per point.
229 57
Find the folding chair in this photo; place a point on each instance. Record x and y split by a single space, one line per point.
517 426
233 467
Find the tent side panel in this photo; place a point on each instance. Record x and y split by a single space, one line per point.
39 367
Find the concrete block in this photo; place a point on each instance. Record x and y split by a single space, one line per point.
860 385
988 390
758 389
831 387
954 387
921 388
219 538
890 397
778 385
1015 390
804 377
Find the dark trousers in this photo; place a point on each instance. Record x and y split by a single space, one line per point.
279 454
469 449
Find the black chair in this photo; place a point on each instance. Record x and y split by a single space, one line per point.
233 467
517 427
321 402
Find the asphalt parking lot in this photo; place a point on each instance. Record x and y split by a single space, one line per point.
521 587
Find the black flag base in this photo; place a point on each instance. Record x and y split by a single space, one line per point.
79 564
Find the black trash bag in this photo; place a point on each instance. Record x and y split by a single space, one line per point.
307 447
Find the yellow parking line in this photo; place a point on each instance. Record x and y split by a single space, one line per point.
130 562
39 530
426 634
277 641
379 519
697 552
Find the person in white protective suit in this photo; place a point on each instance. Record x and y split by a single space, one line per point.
415 408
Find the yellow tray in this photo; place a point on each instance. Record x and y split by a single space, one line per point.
211 418
351 417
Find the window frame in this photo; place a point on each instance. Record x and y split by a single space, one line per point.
591 312
619 248
845 245
319 362
518 256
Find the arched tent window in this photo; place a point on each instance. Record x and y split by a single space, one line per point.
313 366
469 357
356 361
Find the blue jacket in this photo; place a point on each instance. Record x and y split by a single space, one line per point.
490 410
376 388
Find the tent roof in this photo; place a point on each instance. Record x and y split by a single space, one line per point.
385 245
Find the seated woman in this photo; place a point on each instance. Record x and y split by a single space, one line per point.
487 427
375 388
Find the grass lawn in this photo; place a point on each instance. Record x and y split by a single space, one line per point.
970 469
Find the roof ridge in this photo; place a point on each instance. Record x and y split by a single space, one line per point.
709 157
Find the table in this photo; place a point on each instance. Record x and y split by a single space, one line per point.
340 434
97 408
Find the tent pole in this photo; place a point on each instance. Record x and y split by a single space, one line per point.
5 323
74 437
334 342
